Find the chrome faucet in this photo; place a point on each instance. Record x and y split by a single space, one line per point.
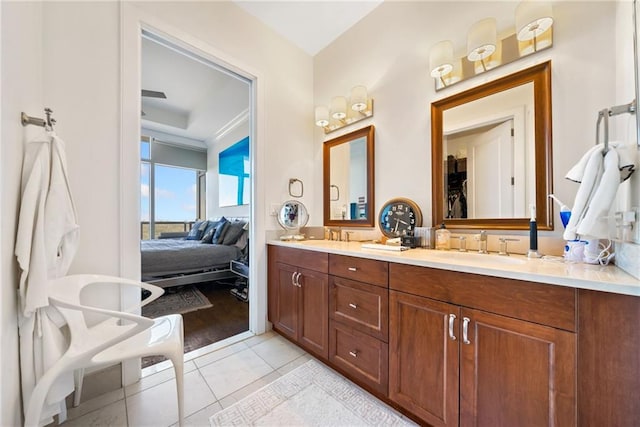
482 242
462 247
335 232
503 245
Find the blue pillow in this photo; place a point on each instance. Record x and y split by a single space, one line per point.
222 225
197 230
209 232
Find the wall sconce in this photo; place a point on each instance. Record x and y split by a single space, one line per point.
441 60
533 32
533 18
343 112
481 41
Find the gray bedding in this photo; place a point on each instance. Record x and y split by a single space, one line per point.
174 256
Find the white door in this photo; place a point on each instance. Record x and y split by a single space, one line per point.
490 185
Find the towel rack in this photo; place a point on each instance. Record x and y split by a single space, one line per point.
47 123
603 116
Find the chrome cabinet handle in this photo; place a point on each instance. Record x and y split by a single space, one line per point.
465 330
452 319
293 280
298 279
354 353
352 269
352 305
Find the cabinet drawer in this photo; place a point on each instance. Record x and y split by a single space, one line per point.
361 306
317 261
549 305
360 269
364 358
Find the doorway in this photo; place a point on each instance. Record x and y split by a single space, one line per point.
194 113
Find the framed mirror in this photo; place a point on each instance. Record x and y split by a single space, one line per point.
491 153
348 179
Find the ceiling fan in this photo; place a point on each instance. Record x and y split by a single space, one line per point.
152 94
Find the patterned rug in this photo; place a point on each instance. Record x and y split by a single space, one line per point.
181 301
311 395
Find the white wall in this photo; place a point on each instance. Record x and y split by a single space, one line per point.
388 52
22 90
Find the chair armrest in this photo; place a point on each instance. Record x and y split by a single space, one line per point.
68 285
118 327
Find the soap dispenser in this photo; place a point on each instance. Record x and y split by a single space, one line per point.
443 238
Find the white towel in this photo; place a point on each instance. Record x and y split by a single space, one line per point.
626 163
599 178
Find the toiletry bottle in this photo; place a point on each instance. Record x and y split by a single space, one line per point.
443 238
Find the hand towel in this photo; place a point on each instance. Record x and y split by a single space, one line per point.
599 178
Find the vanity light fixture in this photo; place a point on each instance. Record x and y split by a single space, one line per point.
485 51
441 60
533 18
343 112
339 107
359 98
481 41
322 116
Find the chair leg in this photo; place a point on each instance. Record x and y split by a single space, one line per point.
78 376
177 359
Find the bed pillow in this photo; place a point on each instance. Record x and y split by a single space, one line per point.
197 230
209 231
232 234
242 241
222 225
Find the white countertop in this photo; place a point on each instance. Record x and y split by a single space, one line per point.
552 271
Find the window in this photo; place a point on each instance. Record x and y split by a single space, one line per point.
171 197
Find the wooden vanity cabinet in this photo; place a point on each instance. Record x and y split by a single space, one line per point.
423 362
453 364
298 296
609 359
399 331
359 321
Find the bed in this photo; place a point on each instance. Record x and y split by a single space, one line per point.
180 261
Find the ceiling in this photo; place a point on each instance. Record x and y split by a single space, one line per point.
311 25
203 101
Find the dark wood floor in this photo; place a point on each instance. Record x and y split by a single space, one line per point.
228 317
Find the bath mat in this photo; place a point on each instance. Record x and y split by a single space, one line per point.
310 395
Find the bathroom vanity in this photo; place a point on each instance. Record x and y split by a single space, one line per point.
464 339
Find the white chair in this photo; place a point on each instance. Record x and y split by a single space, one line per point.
121 336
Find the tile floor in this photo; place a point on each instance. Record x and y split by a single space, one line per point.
213 381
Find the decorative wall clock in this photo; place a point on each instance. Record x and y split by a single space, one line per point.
399 217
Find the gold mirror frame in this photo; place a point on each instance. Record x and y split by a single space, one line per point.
369 221
540 76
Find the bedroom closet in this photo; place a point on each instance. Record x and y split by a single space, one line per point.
195 195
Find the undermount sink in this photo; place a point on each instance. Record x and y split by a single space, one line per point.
475 258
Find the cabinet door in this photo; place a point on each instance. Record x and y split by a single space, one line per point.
515 373
314 312
284 305
423 358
